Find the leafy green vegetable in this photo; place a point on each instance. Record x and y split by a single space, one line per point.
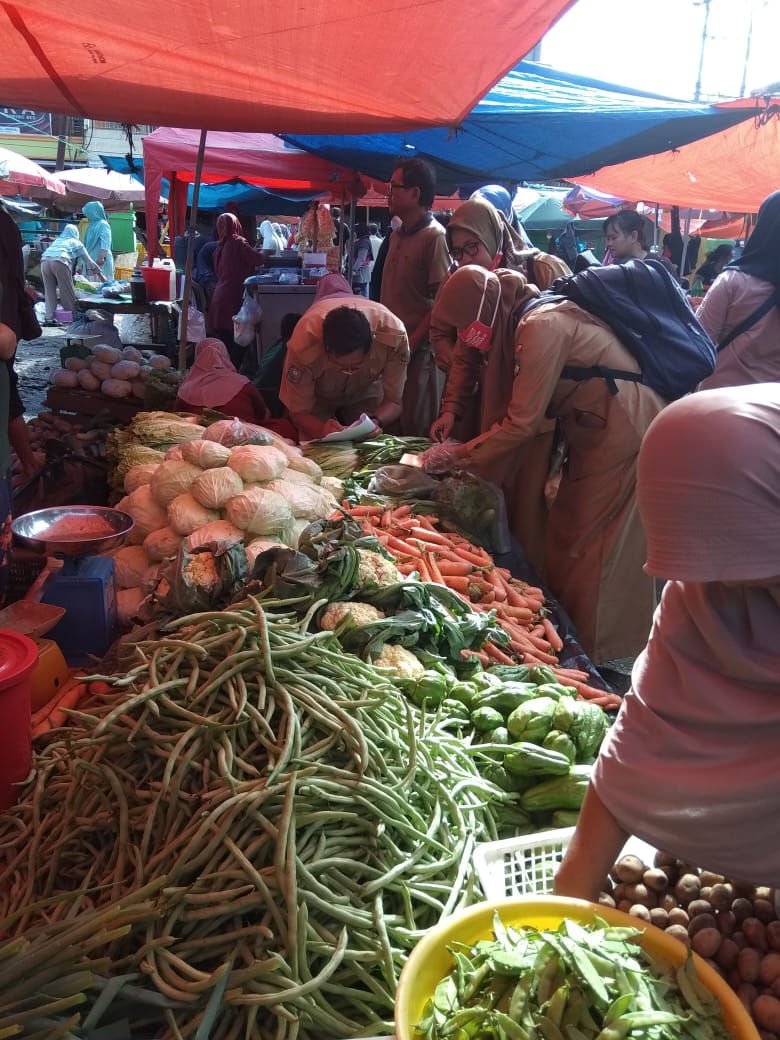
577 982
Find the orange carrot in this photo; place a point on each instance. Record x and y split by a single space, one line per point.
100 688
551 633
433 568
497 583
364 511
52 715
497 654
458 583
401 511
453 568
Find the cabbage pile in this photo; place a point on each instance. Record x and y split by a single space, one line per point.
213 488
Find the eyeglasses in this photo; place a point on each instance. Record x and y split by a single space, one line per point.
396 187
467 249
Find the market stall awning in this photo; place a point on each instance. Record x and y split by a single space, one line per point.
733 170
21 176
309 67
535 124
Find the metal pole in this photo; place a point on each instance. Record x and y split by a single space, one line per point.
697 91
185 303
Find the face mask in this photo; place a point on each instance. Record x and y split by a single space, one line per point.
477 334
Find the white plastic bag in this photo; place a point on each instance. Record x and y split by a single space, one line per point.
244 322
196 324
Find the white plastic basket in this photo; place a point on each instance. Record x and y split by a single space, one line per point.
525 865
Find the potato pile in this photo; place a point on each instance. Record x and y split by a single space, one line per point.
732 924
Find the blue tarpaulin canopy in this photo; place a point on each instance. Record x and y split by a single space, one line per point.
535 124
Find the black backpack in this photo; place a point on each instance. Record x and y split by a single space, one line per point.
649 313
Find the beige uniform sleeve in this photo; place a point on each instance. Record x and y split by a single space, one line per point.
543 343
462 379
297 389
396 366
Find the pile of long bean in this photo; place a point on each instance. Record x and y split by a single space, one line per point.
309 825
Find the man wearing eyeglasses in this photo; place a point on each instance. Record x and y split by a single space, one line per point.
416 264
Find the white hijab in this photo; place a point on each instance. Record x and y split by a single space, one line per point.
692 765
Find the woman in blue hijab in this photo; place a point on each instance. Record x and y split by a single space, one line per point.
97 238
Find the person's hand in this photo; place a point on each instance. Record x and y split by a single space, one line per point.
331 426
443 458
442 427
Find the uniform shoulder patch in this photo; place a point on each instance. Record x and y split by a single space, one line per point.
294 373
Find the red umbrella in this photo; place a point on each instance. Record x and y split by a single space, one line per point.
20 176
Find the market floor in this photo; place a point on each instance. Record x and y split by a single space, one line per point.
36 359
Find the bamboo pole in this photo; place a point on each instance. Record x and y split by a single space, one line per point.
185 303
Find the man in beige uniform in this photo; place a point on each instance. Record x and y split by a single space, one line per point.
347 355
416 263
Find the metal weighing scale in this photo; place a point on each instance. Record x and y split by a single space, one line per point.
75 577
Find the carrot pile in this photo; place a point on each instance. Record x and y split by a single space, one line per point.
451 560
54 713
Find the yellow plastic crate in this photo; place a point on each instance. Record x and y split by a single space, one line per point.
123 274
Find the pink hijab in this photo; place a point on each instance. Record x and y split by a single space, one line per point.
691 765
228 226
332 285
212 380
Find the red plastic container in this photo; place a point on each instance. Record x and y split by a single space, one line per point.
18 657
158 282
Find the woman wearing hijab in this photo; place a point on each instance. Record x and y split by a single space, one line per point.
213 382
234 261
741 311
593 543
97 238
57 271
362 259
691 764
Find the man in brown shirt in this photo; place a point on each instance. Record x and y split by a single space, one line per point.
417 261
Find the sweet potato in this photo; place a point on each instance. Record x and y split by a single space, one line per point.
709 878
755 933
706 942
770 968
747 993
749 964
742 908
721 896
766 1012
641 911
772 933
701 921
699 906
727 922
764 910
659 917
727 955
679 916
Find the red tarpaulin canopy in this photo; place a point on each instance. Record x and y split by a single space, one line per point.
313 66
733 170
261 159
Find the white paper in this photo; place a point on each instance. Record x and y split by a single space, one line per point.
359 430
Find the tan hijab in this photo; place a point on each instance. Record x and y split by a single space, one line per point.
490 227
493 297
692 763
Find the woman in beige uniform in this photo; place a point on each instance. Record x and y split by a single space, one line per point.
594 546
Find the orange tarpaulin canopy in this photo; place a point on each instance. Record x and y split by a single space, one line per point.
733 170
313 66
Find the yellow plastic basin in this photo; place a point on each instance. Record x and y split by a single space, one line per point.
430 960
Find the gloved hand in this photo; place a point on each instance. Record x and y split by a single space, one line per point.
442 427
443 458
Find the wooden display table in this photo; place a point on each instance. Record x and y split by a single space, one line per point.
85 402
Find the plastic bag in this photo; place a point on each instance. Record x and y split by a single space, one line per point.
402 482
244 322
196 323
102 330
477 508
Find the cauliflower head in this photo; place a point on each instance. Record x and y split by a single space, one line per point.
400 661
357 613
374 569
202 571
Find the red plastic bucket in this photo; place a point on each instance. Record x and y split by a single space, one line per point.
158 282
18 657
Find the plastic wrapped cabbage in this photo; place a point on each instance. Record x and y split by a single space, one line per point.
170 479
185 515
260 512
306 500
213 488
233 432
255 463
206 454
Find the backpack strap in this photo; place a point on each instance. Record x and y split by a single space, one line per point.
750 321
579 373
